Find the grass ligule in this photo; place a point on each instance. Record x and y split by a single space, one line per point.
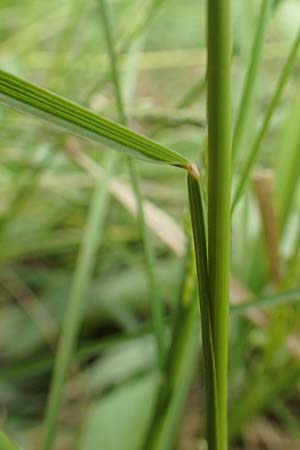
27 97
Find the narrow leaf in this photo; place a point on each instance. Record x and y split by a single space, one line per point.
251 76
267 301
285 74
27 97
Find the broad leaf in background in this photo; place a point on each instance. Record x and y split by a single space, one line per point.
120 420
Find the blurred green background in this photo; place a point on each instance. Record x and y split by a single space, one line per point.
45 193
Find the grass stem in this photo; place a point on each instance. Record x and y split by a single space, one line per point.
219 189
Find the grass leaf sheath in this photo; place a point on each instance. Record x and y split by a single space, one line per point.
199 234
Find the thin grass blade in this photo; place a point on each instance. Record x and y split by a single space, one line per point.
251 77
288 161
28 98
267 301
284 77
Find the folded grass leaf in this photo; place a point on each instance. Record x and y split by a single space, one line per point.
199 234
27 97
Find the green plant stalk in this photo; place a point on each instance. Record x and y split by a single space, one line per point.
154 298
5 443
250 79
214 437
157 310
219 188
285 74
193 93
85 264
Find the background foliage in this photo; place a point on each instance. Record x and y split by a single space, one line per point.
48 189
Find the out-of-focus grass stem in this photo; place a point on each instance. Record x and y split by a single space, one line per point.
157 310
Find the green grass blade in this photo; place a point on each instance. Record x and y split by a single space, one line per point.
251 75
154 298
27 97
113 61
210 375
285 74
219 190
83 272
5 443
267 301
193 93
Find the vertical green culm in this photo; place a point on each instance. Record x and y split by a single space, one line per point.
219 188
